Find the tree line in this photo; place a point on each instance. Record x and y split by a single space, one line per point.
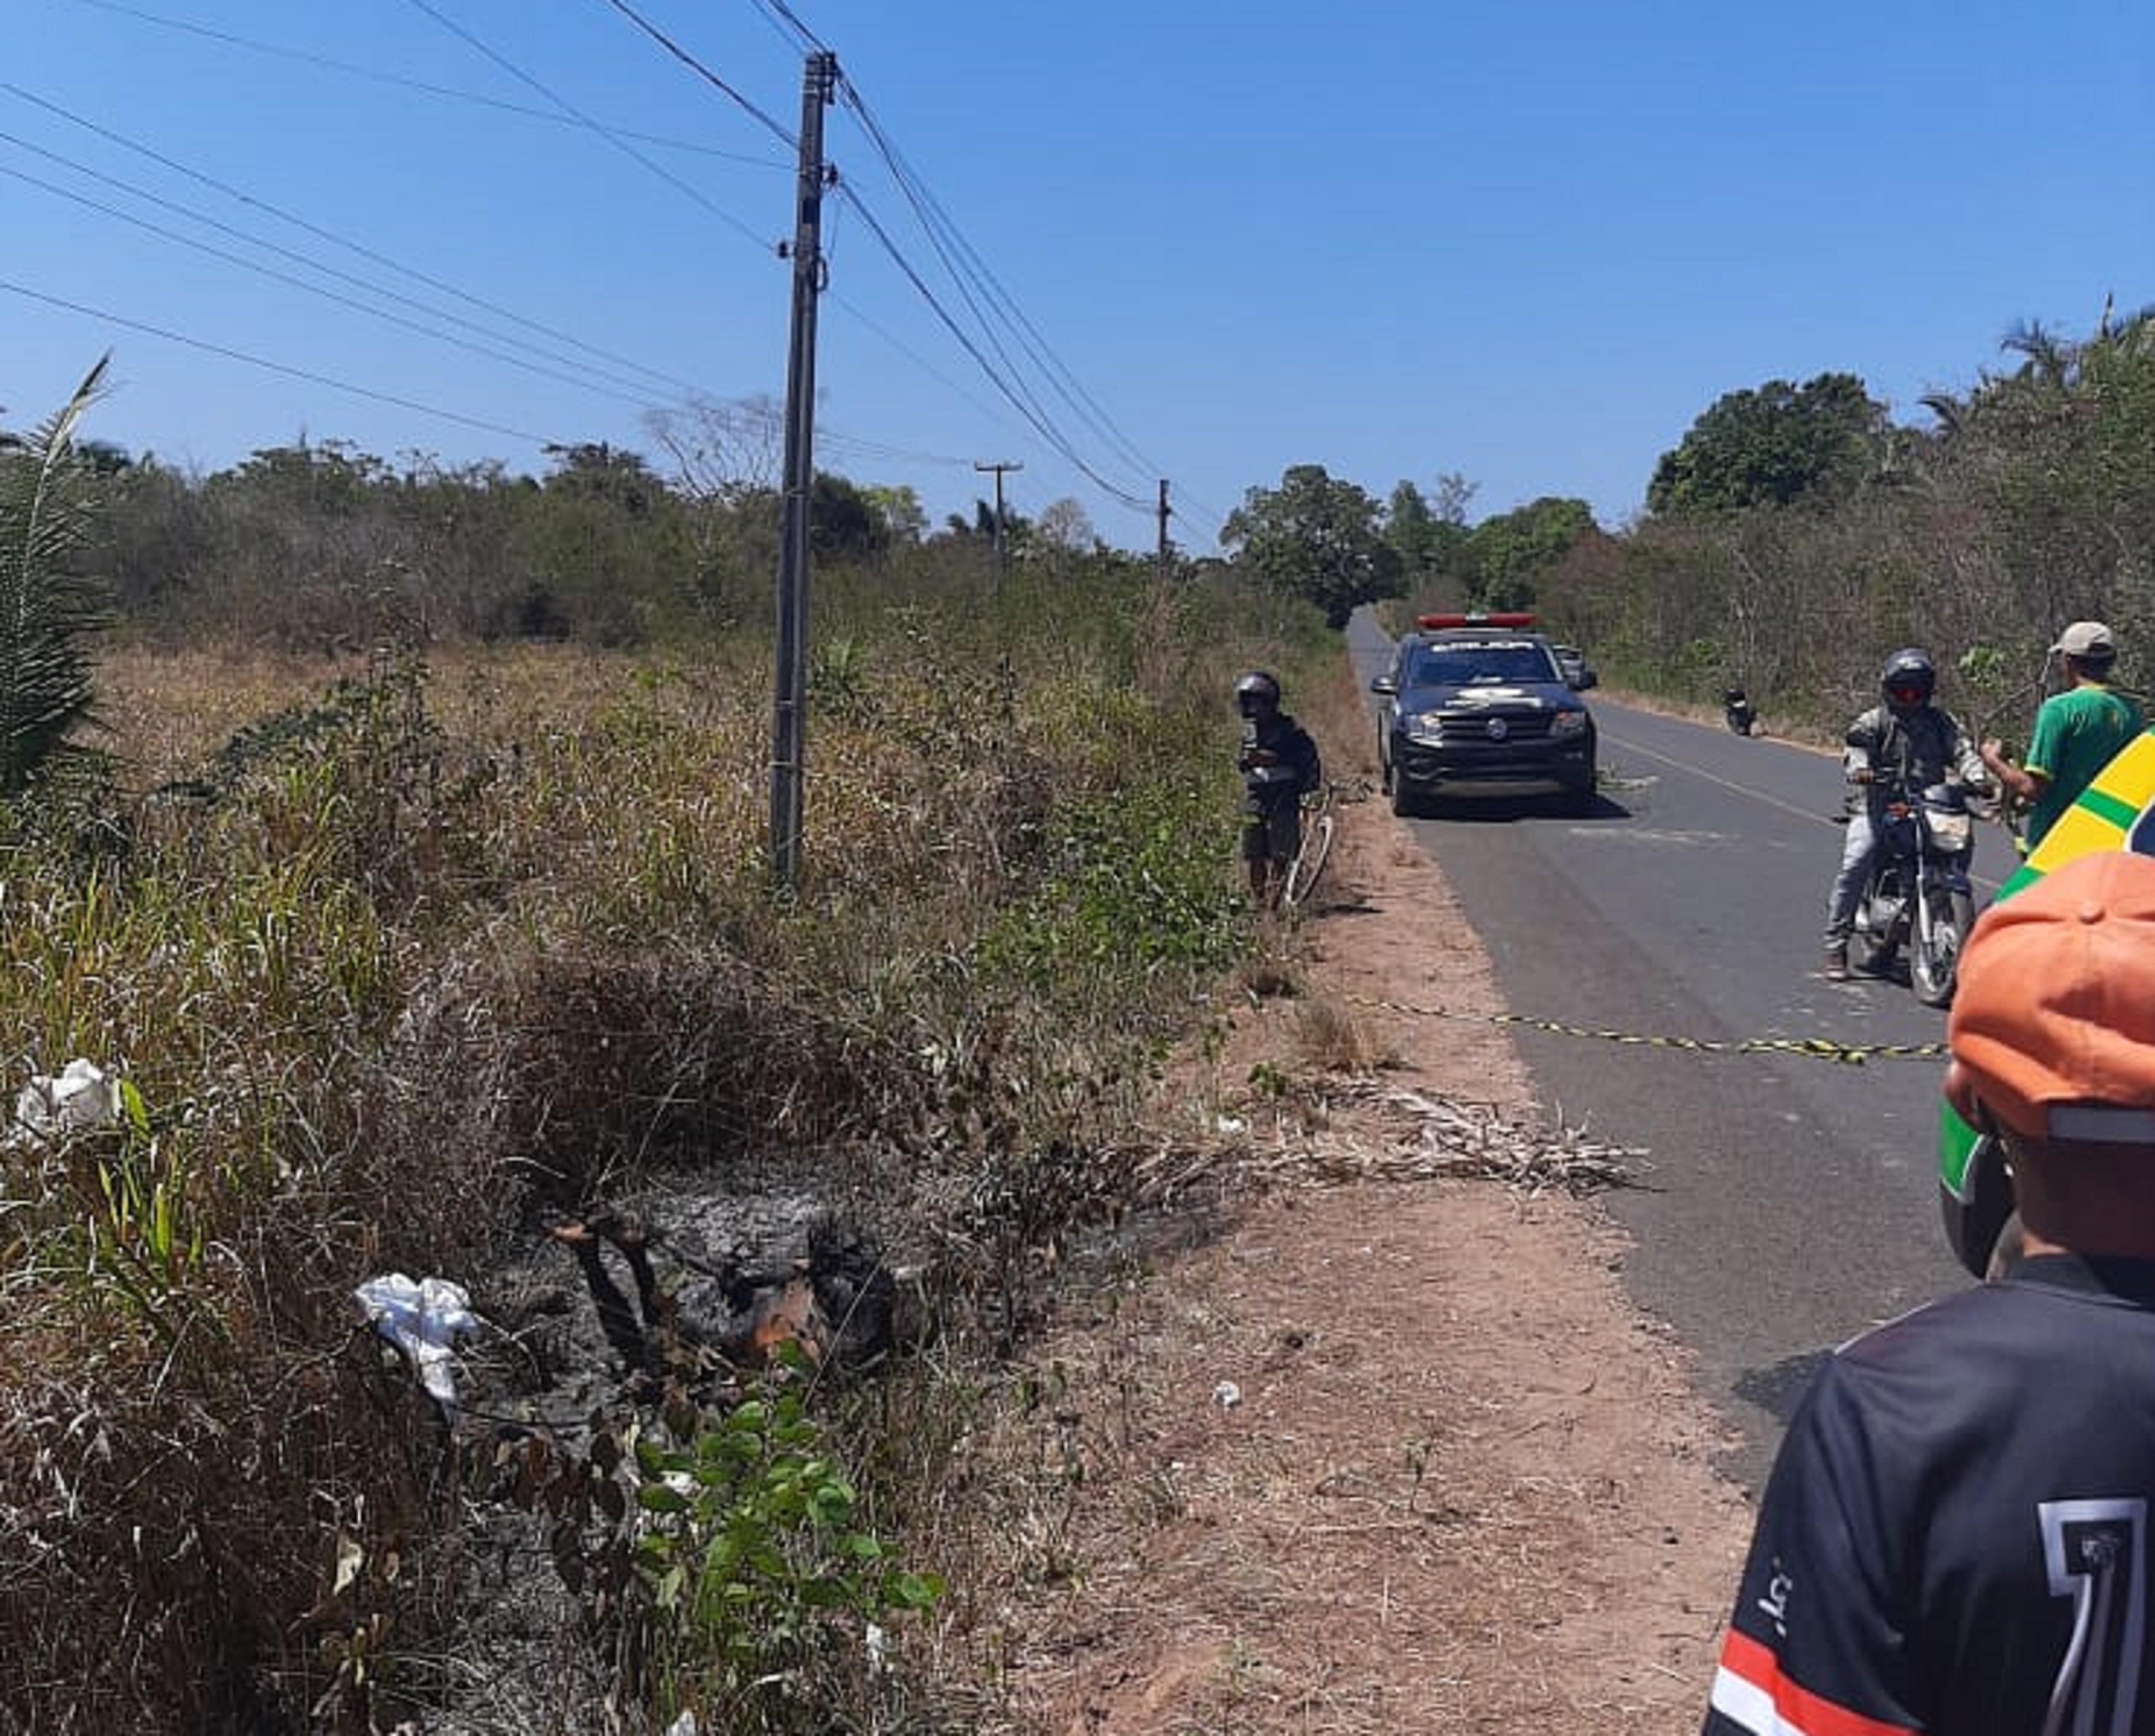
320 546
1794 536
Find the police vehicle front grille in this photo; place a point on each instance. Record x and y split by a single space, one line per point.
1474 726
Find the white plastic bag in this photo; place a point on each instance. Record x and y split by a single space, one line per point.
81 1096
424 1319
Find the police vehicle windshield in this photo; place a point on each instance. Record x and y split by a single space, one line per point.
1521 661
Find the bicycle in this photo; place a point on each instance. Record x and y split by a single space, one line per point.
1319 827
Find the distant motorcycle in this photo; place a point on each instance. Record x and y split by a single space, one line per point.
1919 896
1742 715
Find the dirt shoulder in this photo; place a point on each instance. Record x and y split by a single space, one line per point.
1358 1442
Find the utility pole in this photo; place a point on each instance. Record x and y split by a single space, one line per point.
1002 557
819 79
1164 545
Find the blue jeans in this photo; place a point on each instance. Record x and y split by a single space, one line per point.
1856 853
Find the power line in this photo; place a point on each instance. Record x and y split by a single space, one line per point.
375 75
275 367
1011 368
957 278
798 33
1020 395
1055 439
898 345
788 25
702 71
891 338
825 436
246 199
242 197
586 382
959 253
327 294
1216 521
616 139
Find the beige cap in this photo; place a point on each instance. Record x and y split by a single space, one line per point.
2086 638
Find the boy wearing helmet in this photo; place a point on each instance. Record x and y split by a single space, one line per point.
1958 1536
1905 734
2077 732
1278 762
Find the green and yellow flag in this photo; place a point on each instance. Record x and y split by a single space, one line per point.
2115 812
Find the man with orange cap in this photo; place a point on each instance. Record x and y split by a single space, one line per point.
1957 1537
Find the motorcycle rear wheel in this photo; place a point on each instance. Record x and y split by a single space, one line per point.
1934 966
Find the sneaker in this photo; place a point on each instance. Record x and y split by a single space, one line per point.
1836 963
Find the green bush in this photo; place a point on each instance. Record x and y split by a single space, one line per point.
760 1574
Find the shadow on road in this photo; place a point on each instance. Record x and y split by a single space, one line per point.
1505 810
1779 1386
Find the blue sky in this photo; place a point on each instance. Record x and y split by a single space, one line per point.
1525 241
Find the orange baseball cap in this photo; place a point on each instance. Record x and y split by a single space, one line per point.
2053 1022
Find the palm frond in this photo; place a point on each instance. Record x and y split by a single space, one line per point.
48 607
2047 357
1952 413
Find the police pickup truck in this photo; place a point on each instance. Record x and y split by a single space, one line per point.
1478 705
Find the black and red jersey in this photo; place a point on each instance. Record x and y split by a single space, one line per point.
1955 1538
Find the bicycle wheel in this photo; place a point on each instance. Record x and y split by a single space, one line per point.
1308 867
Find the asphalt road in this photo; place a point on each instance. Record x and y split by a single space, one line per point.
1786 1203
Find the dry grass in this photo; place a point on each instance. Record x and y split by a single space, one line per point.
422 949
1332 1038
1352 1129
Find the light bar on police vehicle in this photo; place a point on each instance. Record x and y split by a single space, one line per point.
1501 617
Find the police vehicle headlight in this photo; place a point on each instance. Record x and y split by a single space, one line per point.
1424 726
1566 724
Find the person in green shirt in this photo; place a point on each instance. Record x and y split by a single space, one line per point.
2076 731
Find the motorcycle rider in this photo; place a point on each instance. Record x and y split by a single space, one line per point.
1905 734
1742 715
2077 732
1279 763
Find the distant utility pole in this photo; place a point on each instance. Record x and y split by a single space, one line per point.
1163 530
1002 554
819 79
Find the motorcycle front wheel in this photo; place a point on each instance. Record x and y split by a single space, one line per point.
1934 964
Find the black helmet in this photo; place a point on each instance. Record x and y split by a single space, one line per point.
1256 692
1908 679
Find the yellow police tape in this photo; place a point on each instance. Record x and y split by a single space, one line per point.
1817 1048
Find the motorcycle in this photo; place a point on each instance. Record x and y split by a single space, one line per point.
1742 716
1919 895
